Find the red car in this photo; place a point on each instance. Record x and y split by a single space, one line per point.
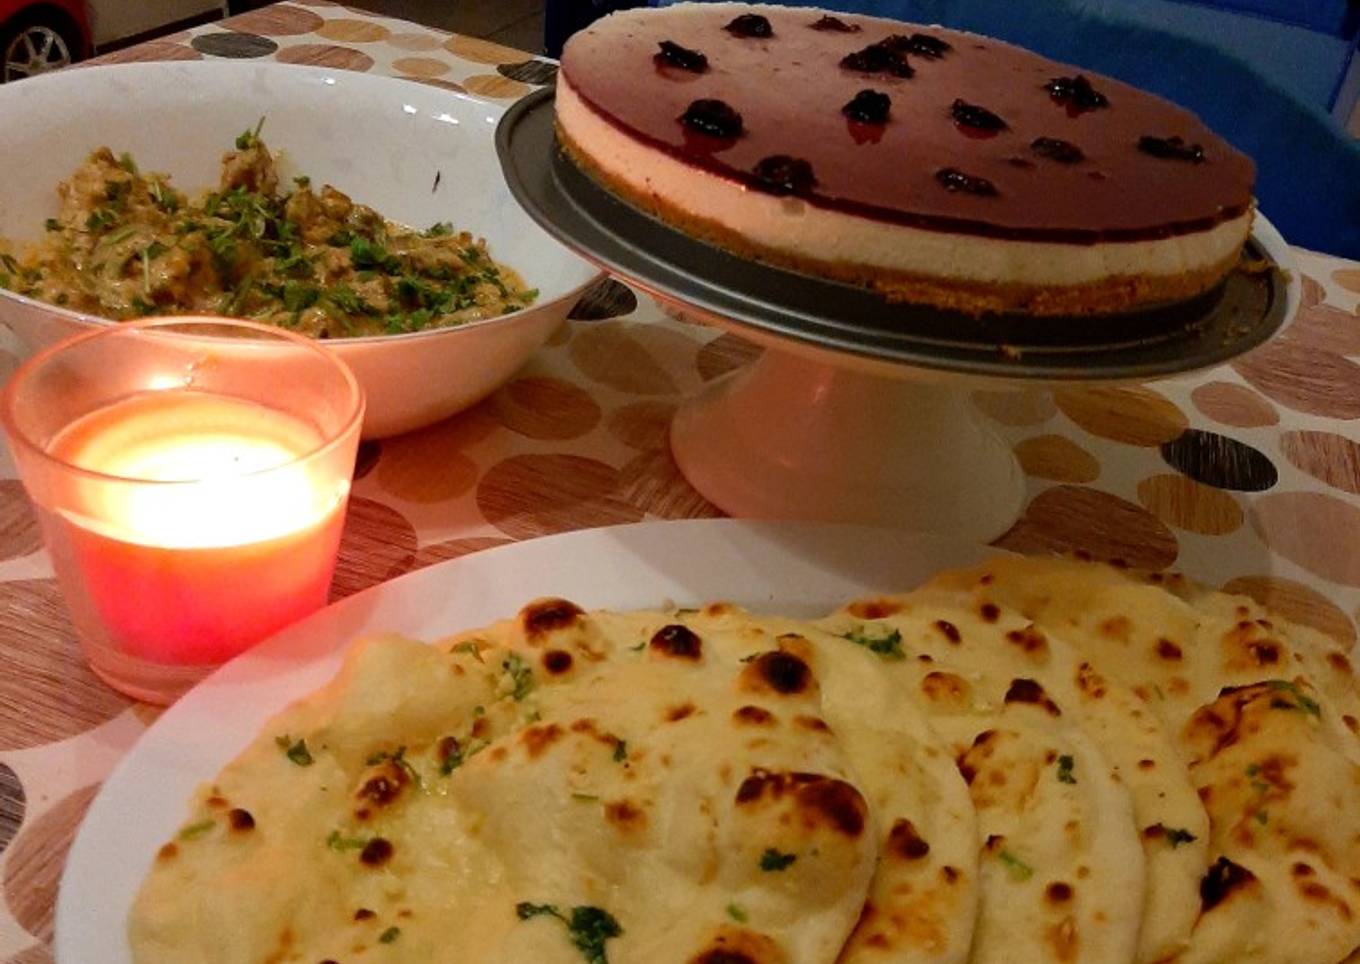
41 35
35 37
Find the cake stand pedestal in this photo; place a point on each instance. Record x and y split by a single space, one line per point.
858 410
793 437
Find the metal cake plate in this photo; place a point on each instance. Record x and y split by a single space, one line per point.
771 301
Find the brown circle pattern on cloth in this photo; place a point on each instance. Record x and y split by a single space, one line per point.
643 425
1026 407
493 85
482 51
1326 457
632 357
1303 378
606 298
152 52
376 541
437 82
278 20
653 483
421 66
1317 532
414 41
353 31
47 691
1296 602
428 479
542 407
1186 504
1056 458
1222 462
19 533
11 805
1070 518
536 495
724 354
1327 329
1234 405
234 46
326 55
1348 278
1132 415
33 864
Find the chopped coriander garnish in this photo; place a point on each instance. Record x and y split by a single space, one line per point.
1178 835
585 797
737 913
588 927
100 218
389 935
638 648
52 224
1262 817
520 675
1017 867
248 139
479 710
471 648
620 750
196 829
340 844
1302 701
297 752
1065 765
303 181
772 860
888 645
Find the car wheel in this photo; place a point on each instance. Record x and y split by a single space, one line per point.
34 44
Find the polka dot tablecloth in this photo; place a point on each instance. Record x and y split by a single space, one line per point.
1247 476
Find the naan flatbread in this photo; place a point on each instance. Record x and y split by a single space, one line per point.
1264 713
1000 643
558 788
1060 848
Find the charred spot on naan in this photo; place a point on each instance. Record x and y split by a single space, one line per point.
557 662
1221 724
677 641
544 617
738 945
1023 690
820 801
905 842
874 608
777 672
1030 640
750 715
1251 645
1223 882
948 690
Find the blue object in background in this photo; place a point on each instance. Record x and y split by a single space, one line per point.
1308 171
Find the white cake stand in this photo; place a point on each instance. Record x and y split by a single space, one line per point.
857 410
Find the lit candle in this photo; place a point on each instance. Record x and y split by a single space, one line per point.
222 534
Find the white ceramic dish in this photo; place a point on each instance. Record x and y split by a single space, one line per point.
800 569
416 153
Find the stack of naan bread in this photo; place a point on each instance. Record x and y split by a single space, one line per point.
1030 761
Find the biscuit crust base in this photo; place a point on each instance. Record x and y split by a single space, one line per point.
1112 295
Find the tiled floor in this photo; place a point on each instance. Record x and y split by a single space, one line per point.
515 23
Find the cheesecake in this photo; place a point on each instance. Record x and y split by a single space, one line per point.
932 165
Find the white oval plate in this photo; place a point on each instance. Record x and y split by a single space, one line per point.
796 569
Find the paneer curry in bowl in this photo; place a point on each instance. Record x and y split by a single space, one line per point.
368 211
129 244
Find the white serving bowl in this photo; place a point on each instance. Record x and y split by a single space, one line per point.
416 153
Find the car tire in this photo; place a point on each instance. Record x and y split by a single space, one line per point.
36 41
